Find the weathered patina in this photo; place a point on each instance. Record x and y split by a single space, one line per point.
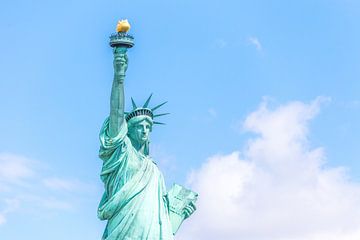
135 203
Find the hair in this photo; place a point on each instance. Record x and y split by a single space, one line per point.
135 120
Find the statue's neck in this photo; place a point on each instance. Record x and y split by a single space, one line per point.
140 147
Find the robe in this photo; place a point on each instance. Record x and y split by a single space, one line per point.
134 202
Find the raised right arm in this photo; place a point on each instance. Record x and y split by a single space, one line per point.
117 101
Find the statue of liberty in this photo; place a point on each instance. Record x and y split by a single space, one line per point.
135 202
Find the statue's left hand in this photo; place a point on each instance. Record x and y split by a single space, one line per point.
189 209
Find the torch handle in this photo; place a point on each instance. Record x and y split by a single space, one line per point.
120 62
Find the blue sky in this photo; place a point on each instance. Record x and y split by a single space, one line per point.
215 62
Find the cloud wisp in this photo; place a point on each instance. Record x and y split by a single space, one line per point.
277 188
255 42
22 183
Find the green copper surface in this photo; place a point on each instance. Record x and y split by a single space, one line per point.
135 202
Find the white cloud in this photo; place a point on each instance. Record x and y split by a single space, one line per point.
60 184
255 42
24 185
278 188
14 168
2 218
70 185
46 203
9 205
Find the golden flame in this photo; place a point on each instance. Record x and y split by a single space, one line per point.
123 26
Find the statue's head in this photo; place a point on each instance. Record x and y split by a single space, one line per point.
139 129
140 121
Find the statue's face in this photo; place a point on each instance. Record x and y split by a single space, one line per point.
141 131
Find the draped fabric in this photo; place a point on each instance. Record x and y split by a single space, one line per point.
134 202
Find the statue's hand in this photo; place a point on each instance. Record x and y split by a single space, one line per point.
189 209
120 62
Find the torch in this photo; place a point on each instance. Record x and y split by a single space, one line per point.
120 42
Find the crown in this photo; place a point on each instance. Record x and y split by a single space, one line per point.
144 111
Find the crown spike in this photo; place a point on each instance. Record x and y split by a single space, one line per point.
154 108
144 111
160 123
147 101
133 104
162 114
